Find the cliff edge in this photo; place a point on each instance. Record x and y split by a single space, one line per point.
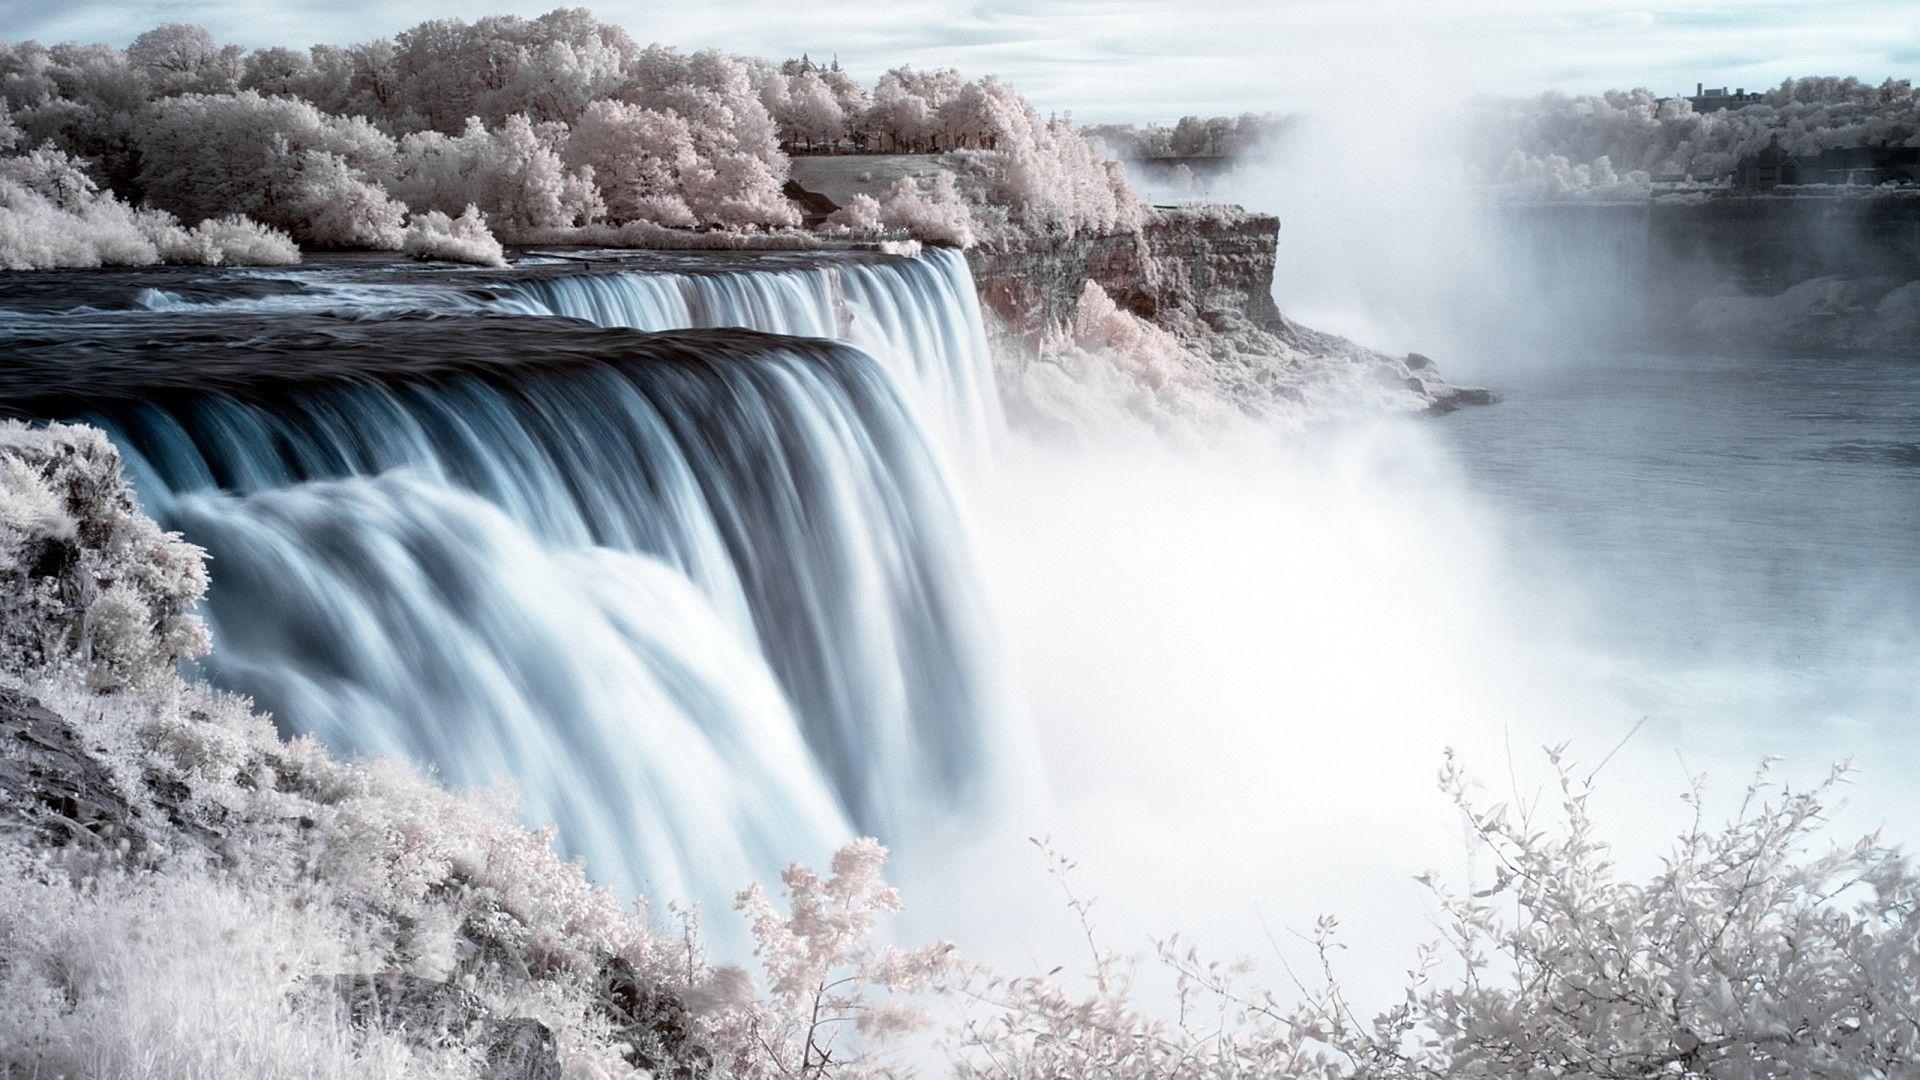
1182 314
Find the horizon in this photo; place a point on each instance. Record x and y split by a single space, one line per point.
1087 57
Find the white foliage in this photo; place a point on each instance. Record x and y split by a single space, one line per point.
119 609
1021 175
433 235
514 174
52 215
441 72
810 113
937 214
1636 131
154 977
234 240
180 57
1555 177
1191 136
861 215
37 232
545 124
278 160
1758 948
732 172
821 963
638 158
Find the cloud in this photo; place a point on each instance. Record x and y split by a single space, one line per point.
1111 59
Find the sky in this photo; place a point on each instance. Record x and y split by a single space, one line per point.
1140 60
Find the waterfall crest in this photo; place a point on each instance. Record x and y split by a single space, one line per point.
920 316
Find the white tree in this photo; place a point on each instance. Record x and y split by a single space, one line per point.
811 113
278 160
52 215
278 71
639 159
548 68
514 175
906 103
180 58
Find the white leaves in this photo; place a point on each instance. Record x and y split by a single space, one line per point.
1744 956
51 215
1611 145
433 235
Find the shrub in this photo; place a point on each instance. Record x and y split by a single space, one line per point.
513 174
433 235
120 607
861 215
234 240
1753 951
277 160
937 216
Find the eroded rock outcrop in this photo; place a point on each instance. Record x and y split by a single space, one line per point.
53 790
1176 325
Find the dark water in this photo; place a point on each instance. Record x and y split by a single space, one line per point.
1735 543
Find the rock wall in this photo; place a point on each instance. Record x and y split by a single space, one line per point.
1203 275
1186 268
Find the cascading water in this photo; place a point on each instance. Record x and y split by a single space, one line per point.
920 316
706 599
396 616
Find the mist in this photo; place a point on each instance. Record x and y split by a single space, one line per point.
1246 662
1244 669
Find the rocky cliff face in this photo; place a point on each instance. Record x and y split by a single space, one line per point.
1185 268
1200 280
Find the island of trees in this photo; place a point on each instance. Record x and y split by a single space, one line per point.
452 136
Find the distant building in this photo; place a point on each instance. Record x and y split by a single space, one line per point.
1713 99
1866 166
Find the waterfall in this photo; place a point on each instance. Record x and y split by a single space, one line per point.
705 598
398 617
921 317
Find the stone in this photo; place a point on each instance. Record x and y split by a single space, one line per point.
53 787
398 1001
654 1023
520 1049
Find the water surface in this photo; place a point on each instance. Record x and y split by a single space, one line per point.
1735 543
